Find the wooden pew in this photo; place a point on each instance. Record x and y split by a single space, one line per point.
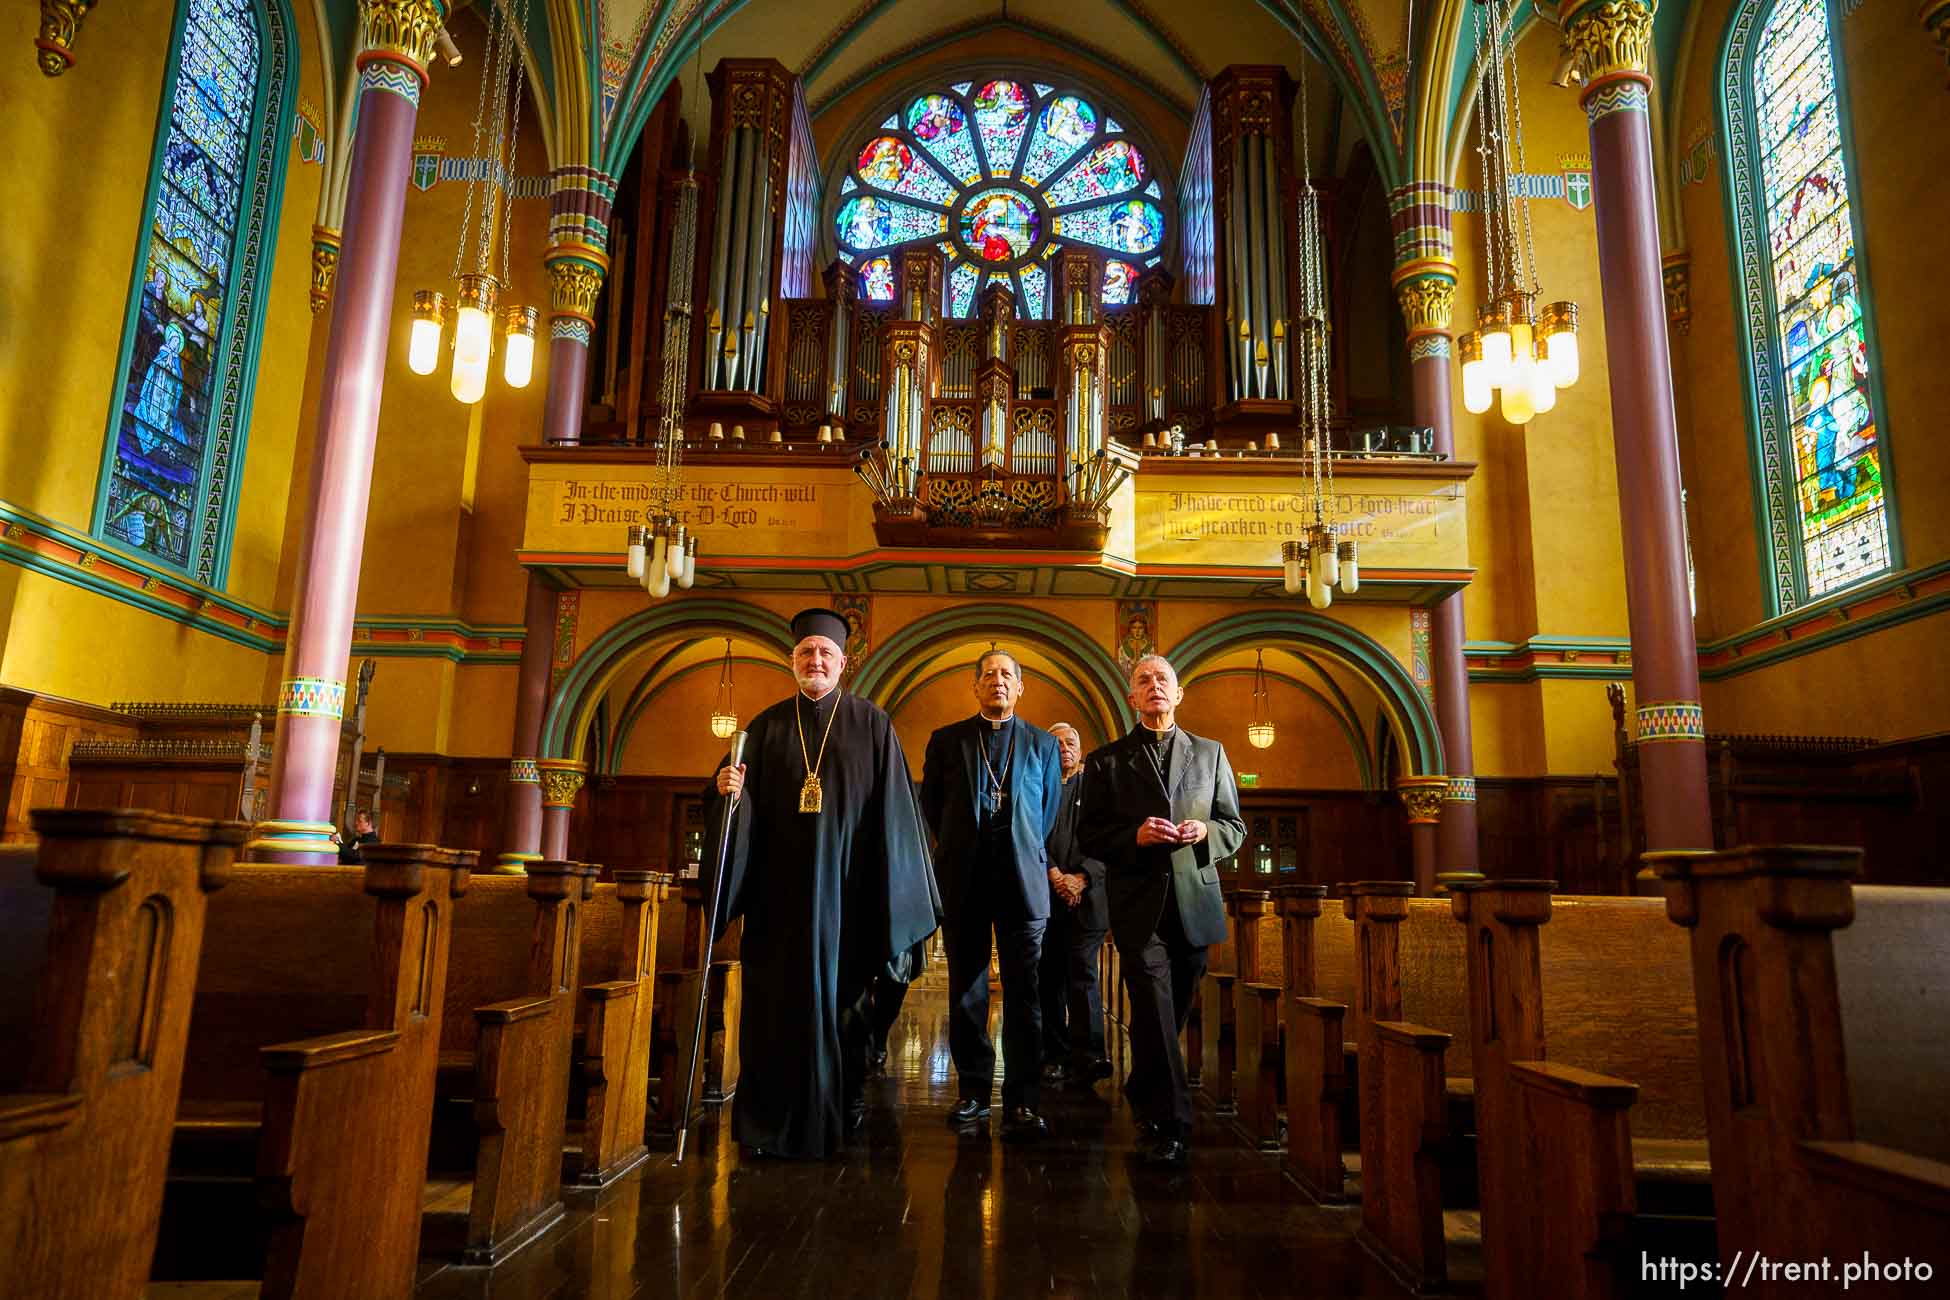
338 1123
113 903
1213 1043
1569 1188
511 1009
1826 1061
1315 1065
1256 1016
614 1065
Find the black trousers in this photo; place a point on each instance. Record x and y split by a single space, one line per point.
1019 944
1073 1004
1162 975
883 1008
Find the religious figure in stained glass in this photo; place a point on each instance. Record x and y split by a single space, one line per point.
159 460
1058 171
1823 347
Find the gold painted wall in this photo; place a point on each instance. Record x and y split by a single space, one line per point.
1902 173
66 268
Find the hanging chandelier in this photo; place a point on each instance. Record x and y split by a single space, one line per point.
490 170
665 550
1260 730
724 718
1526 353
1318 561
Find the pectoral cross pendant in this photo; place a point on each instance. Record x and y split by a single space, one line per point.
811 796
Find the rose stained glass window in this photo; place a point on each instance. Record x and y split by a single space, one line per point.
999 173
1834 460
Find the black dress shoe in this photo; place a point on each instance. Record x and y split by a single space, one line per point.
1091 1071
1171 1153
1024 1125
967 1111
856 1115
1054 1072
877 1061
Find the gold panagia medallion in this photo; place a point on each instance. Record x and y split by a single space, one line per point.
811 795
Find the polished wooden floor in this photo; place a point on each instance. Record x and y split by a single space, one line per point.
914 1209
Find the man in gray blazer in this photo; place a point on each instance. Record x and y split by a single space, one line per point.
1161 809
990 790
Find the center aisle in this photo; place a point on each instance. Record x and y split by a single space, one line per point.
915 1209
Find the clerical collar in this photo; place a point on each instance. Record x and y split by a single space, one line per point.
1155 737
824 701
996 724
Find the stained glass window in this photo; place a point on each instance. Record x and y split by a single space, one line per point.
183 396
1813 353
1000 173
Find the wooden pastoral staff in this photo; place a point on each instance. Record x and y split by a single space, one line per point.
313 1046
679 977
512 1003
1823 1042
614 1062
112 906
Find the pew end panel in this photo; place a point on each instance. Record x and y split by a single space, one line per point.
1576 1197
1316 1092
1262 1064
121 921
621 942
1401 1181
520 1109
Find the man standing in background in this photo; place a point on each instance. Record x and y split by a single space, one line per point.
1073 1005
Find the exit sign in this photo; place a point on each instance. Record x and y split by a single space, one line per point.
1247 780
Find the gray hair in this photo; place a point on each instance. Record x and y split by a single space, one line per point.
1064 726
1142 660
993 653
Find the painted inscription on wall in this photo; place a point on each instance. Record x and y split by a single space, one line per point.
1399 523
738 512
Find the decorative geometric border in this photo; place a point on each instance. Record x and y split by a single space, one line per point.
1462 789
1420 656
311 697
572 328
1619 97
1426 347
1671 720
393 78
523 771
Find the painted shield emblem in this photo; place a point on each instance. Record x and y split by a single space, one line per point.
1577 189
426 170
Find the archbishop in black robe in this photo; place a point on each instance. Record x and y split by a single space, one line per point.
829 899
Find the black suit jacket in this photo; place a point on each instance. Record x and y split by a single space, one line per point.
951 779
1066 855
1120 790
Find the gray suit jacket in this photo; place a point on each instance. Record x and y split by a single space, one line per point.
1120 790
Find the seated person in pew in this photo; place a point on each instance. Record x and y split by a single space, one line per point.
827 860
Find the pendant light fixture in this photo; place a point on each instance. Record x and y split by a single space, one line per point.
1260 730
1526 353
489 175
724 718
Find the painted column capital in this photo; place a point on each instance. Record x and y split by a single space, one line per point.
1426 291
1677 271
60 24
1611 41
325 243
400 32
562 780
1422 797
575 281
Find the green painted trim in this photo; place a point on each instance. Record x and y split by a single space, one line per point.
1374 105
1373 112
639 699
136 599
276 35
1460 82
1810 642
1075 688
1024 623
1360 651
567 705
1357 738
1069 697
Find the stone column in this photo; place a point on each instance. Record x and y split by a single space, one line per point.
399 39
578 234
1611 42
521 838
1425 286
562 780
1422 800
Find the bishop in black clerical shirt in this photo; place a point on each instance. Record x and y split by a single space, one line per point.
991 787
828 864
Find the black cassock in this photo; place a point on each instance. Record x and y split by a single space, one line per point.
829 898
